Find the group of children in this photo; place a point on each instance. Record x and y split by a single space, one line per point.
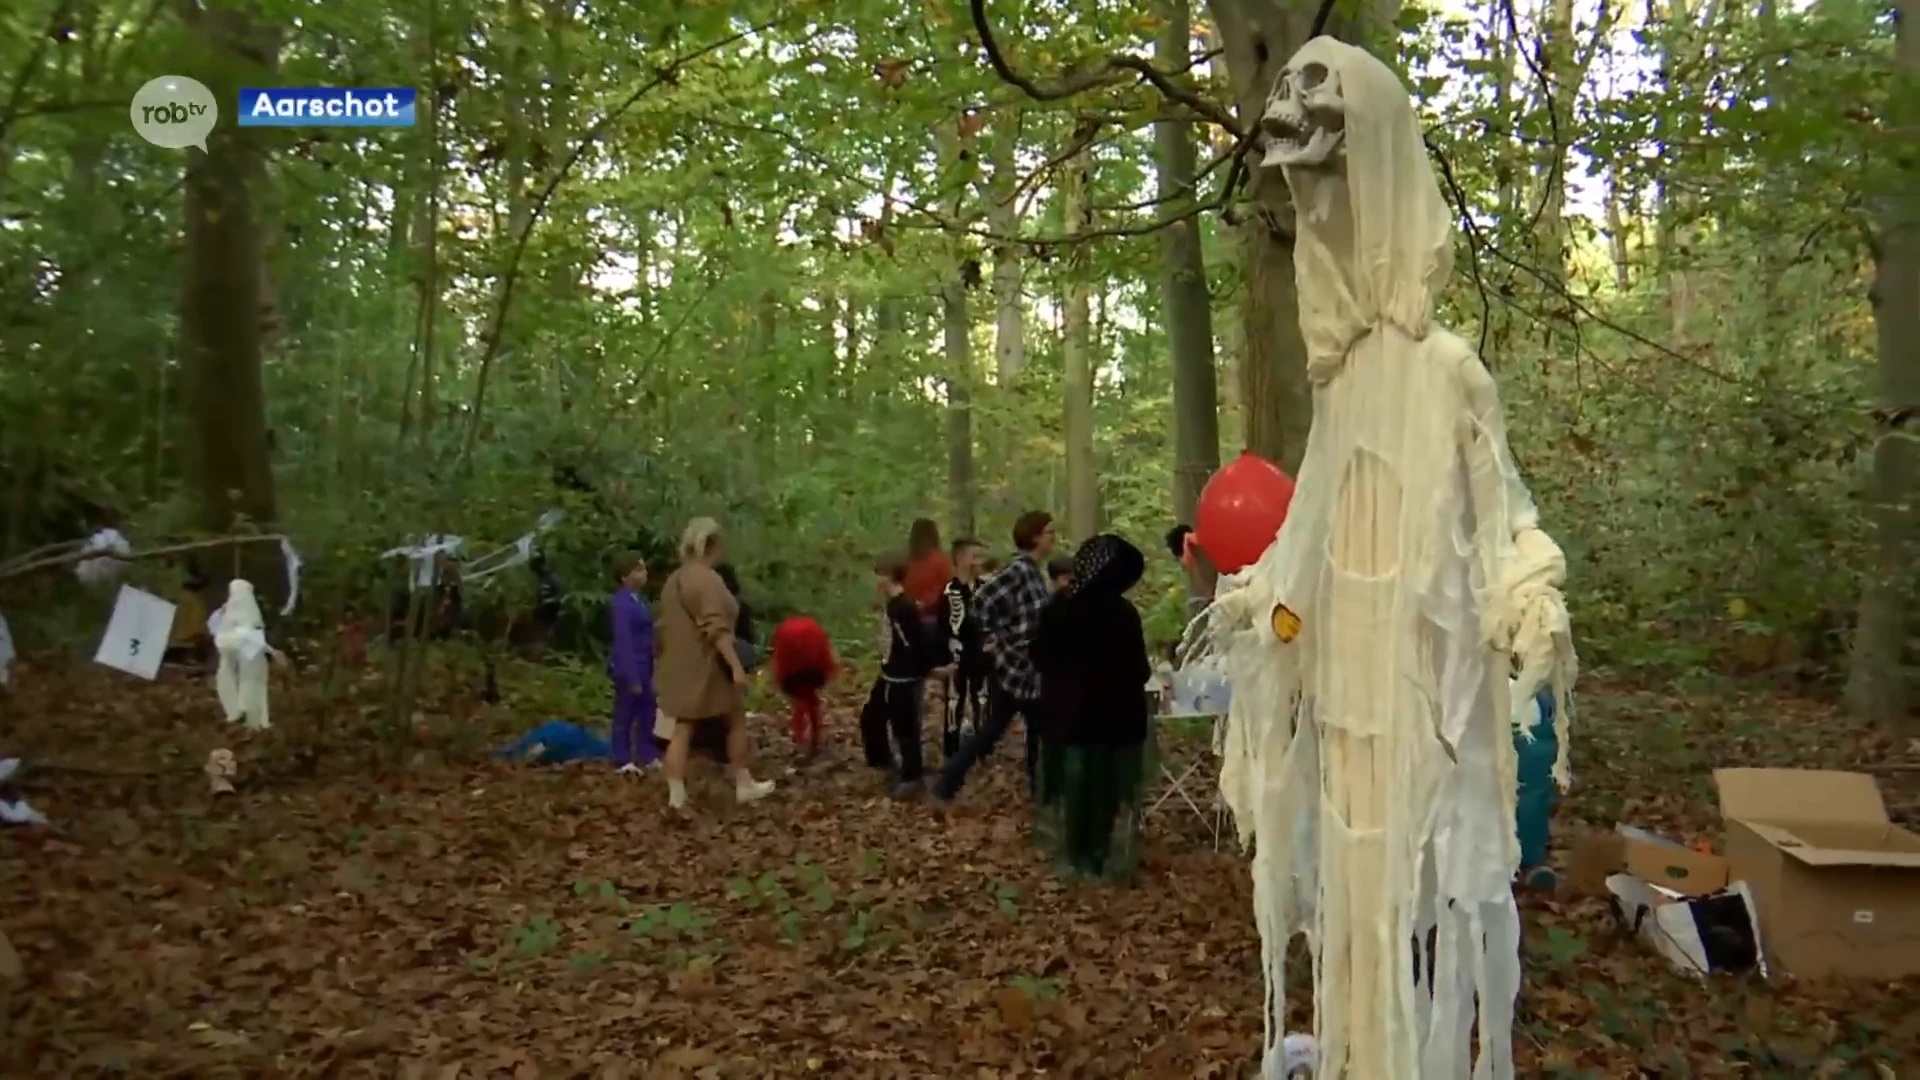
928 629
1053 641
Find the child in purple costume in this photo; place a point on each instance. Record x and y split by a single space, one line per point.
630 666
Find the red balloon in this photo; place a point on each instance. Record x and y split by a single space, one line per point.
1240 511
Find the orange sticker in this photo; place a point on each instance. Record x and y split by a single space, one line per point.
1286 625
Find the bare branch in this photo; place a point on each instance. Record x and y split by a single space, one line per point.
1114 69
1474 242
29 562
1320 18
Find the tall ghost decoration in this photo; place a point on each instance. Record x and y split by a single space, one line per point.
240 636
1369 756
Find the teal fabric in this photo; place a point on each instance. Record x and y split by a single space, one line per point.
1538 793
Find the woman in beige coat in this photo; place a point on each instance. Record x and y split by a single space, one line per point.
699 675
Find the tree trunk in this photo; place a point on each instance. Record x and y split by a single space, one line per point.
220 328
959 364
1681 76
429 307
1565 63
1886 647
1617 231
1550 181
1188 306
1083 496
519 127
1003 218
1259 36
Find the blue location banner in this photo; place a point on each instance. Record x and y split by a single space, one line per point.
326 106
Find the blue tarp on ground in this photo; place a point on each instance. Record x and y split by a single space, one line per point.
556 742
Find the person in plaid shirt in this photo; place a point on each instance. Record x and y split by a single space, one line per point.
1008 607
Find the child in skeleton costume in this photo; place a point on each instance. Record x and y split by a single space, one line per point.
240 637
1369 757
959 629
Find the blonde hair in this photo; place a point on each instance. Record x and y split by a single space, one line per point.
698 538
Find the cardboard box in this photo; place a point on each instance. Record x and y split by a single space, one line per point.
1836 882
1647 856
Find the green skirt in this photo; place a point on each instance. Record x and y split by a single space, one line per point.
1090 802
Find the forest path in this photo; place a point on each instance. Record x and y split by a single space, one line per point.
435 917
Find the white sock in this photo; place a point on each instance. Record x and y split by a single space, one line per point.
742 780
676 793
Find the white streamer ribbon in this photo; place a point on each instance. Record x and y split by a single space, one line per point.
423 555
518 553
292 559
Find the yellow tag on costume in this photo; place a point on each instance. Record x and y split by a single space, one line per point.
1286 625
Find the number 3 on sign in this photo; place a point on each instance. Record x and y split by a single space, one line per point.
139 619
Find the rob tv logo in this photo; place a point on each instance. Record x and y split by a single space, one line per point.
175 111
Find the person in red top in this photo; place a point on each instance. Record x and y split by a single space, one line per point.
928 569
803 664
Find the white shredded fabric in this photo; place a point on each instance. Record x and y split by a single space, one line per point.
1370 763
292 560
240 637
424 557
106 569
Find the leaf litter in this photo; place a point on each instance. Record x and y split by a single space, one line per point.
381 904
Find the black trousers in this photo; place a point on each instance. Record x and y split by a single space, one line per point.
966 706
1002 707
893 708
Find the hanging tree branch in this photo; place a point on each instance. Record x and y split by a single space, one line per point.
1118 67
76 552
1114 69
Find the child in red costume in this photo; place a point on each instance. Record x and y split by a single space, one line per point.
803 664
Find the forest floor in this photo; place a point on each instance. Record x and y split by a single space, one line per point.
382 904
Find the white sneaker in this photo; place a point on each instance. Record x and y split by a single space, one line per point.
753 791
629 769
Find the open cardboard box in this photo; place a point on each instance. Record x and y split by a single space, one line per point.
1837 884
1647 856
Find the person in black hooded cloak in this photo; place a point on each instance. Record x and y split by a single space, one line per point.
1091 652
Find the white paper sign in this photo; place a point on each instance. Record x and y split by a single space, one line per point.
136 634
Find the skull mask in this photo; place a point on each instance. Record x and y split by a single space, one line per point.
1305 122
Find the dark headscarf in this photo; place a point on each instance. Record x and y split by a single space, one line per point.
1106 564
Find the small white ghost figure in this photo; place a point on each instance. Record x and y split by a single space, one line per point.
240 636
221 769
